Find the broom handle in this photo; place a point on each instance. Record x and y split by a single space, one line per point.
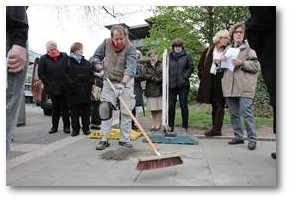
136 121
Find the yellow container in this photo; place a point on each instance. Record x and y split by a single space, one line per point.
113 135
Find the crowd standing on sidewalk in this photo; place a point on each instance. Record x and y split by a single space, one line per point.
81 88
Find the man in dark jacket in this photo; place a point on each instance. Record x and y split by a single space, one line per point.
51 71
138 91
17 62
261 34
180 70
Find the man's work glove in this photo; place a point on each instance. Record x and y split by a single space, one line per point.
119 88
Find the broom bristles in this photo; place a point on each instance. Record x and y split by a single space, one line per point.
158 162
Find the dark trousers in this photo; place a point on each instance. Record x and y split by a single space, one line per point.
134 113
60 108
182 96
83 111
95 116
218 113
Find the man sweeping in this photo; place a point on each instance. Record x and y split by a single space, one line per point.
118 57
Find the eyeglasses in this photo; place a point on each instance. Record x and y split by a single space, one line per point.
240 32
225 38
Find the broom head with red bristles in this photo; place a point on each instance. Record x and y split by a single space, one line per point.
155 162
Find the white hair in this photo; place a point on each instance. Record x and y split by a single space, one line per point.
219 35
51 43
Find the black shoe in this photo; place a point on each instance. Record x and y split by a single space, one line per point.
135 128
212 133
75 133
52 130
87 132
66 130
171 129
102 145
252 145
95 127
273 155
126 144
236 141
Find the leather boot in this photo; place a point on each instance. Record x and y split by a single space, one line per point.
217 120
213 132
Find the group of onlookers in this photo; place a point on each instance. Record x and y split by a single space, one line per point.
69 80
227 70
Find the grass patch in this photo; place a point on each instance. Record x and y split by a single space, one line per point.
200 118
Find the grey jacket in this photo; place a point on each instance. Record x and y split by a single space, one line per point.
242 82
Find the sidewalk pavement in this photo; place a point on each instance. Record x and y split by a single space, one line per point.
41 159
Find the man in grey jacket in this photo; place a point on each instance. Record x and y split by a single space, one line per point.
118 57
239 87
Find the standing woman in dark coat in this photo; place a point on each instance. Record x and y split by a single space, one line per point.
80 80
153 90
210 75
180 70
51 71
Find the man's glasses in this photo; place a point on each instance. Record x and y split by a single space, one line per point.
240 32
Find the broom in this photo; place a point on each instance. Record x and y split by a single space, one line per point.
152 162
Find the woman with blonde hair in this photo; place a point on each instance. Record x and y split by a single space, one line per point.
210 75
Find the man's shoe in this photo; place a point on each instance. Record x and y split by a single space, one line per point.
252 145
66 130
126 144
102 145
236 141
273 155
95 127
75 133
87 132
52 130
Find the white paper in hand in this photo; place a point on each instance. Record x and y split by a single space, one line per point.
232 53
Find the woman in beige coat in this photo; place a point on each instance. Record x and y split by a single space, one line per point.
239 85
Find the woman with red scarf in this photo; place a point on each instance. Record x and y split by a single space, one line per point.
52 73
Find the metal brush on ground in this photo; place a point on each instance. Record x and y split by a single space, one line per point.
152 162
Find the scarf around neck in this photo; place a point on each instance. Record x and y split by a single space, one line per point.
176 56
77 57
53 55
